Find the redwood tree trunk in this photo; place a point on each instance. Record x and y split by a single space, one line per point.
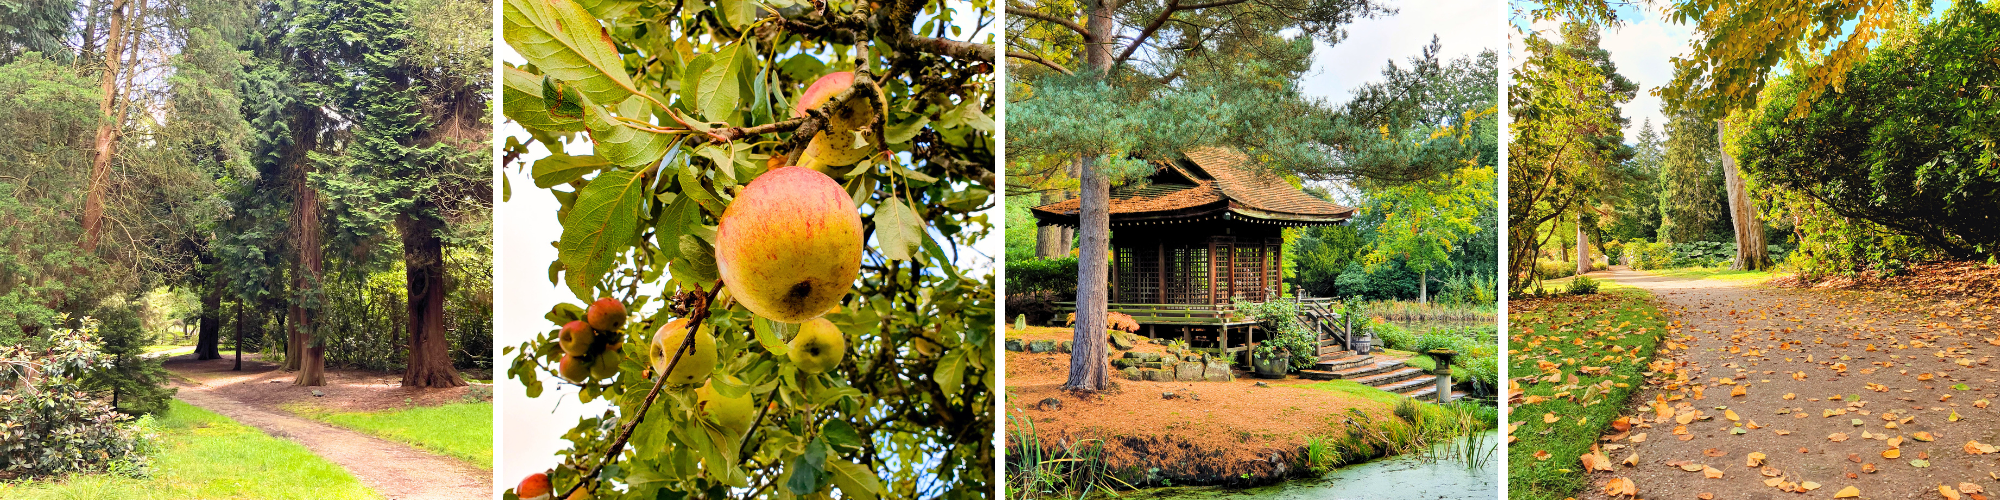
423 265
305 220
1751 254
239 336
107 130
211 320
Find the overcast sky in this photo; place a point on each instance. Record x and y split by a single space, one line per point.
1463 27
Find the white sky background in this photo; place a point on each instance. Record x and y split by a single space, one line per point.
1463 28
530 430
1642 49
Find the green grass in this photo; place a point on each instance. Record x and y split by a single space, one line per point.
1716 273
461 430
1355 389
1543 331
206 456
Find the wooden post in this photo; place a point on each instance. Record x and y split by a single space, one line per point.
1160 296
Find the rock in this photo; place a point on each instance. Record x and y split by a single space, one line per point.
1217 371
318 394
1169 395
1049 404
1153 375
1123 362
1133 374
1015 345
1020 322
1135 355
1150 356
1041 346
1194 396
1121 340
1261 384
1065 346
1192 358
1155 365
1187 372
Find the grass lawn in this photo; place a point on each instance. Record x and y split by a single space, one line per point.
207 456
462 430
1590 352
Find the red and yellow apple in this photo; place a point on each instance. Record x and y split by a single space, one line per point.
844 139
535 487
818 347
731 413
576 338
789 247
605 315
573 369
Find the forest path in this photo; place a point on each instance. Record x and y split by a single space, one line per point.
1871 390
397 471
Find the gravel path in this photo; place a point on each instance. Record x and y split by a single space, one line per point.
1802 358
397 471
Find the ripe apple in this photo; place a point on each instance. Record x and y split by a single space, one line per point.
576 338
819 346
789 247
605 315
573 369
605 366
694 366
837 143
731 413
535 487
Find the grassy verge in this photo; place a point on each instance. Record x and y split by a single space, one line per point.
203 456
1581 386
1716 273
460 430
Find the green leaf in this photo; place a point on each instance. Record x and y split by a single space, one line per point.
898 229
737 12
559 169
719 90
902 132
564 41
855 481
627 146
808 470
603 224
675 220
1962 387
950 374
768 337
521 99
691 79
841 435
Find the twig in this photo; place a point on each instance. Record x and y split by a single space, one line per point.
687 345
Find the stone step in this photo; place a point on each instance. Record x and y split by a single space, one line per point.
1408 385
1326 355
1343 363
1399 375
1318 375
1430 391
1373 367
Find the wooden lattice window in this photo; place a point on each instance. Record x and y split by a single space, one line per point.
1138 275
1187 275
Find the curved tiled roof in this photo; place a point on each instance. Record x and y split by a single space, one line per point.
1230 183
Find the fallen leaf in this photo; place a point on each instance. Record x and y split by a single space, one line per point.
1848 492
1705 496
1713 452
1691 467
1711 473
1619 486
1869 468
1731 415
1755 458
1773 482
1949 494
1622 424
1739 391
1595 461
1922 436
1837 437
1632 461
1541 454
1977 448
1639 438
1892 453
1969 488
1920 463
1809 486
1550 418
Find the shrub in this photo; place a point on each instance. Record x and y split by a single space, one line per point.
1039 307
51 425
1057 276
1583 285
1392 336
1280 320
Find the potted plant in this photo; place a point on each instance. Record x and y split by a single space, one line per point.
1270 361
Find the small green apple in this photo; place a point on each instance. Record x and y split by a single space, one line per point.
731 413
694 366
605 366
573 369
576 338
818 347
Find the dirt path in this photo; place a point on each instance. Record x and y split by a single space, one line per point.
397 471
1835 385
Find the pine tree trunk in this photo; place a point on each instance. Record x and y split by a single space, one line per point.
107 130
211 320
1088 368
423 265
1751 254
1582 246
1047 238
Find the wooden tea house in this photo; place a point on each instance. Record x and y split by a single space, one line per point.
1204 232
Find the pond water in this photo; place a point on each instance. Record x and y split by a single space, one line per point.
1398 478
